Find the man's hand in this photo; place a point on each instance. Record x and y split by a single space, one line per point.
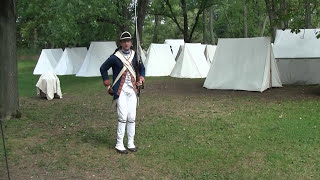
106 82
141 81
110 90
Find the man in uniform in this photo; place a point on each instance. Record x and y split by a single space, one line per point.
126 69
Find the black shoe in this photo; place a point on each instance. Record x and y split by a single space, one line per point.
133 149
122 151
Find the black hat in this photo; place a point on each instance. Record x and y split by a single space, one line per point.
125 35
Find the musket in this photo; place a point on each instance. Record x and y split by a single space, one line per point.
138 48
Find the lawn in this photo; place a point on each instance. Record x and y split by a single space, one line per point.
183 132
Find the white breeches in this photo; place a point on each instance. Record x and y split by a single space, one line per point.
126 109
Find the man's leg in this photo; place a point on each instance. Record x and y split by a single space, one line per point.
122 119
132 107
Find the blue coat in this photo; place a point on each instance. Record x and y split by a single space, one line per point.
115 63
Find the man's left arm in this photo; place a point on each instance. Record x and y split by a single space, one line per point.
142 72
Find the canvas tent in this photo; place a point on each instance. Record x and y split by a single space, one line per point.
298 56
209 52
160 60
71 61
243 64
174 45
97 54
191 62
47 61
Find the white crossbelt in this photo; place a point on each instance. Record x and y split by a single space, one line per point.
127 66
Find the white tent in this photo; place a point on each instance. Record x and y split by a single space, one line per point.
209 52
71 60
47 61
97 54
174 45
243 64
160 60
191 62
298 56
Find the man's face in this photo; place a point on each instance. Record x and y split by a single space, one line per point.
126 44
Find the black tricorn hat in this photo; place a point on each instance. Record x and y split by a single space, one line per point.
125 35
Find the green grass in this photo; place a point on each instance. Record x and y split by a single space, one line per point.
28 51
180 136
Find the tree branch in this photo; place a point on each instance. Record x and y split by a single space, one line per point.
315 5
110 21
201 9
173 16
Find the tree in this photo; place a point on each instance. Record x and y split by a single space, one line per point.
71 22
307 7
204 31
46 24
156 28
142 10
211 26
9 100
272 9
123 11
245 19
192 5
293 14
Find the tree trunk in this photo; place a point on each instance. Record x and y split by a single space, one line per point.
264 26
125 15
204 32
185 30
185 21
211 26
155 31
142 10
284 22
245 20
271 12
123 11
9 100
307 13
200 11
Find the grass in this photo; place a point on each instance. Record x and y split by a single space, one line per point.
231 135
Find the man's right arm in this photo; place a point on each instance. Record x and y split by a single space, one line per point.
104 71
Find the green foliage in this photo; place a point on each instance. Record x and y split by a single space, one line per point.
64 23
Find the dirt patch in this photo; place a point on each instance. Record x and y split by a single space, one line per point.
194 87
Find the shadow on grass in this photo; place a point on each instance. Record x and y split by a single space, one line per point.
98 136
